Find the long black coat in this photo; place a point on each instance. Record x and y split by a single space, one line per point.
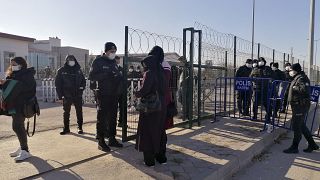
151 126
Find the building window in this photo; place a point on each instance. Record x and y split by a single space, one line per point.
6 59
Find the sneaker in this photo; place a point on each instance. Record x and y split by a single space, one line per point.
65 131
23 155
103 146
311 148
80 131
15 153
114 143
291 151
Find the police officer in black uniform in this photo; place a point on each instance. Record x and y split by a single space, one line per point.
244 97
106 73
261 87
299 98
70 84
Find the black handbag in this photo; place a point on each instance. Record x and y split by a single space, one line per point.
31 109
149 104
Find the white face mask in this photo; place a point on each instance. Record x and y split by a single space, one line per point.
292 73
130 70
274 68
16 68
112 56
287 68
261 63
71 63
254 65
249 65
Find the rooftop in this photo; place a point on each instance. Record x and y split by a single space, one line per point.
20 38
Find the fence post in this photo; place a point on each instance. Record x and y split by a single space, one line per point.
125 83
184 71
273 51
303 65
258 50
234 55
190 86
226 64
37 66
199 75
284 59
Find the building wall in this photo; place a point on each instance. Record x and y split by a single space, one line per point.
18 48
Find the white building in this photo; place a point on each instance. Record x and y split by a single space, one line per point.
11 46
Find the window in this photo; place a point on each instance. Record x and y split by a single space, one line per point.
6 59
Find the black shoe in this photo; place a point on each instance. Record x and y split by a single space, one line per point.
65 131
161 159
103 146
150 164
311 148
291 150
80 131
246 114
114 143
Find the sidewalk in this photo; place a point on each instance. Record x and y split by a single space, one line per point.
212 151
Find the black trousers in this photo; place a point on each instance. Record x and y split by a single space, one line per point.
299 127
107 115
19 128
77 102
261 98
244 101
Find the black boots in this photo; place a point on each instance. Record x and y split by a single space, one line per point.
291 150
311 148
161 158
103 146
65 131
149 159
114 143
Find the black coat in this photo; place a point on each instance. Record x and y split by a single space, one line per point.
243 71
261 72
27 86
107 74
278 75
70 81
299 91
151 126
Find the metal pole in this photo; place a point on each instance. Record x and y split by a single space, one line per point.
199 75
234 55
37 66
190 100
311 37
284 59
184 98
125 97
252 38
258 50
273 51
226 64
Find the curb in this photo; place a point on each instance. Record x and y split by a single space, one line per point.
245 158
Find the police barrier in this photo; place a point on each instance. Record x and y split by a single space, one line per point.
49 93
243 98
278 93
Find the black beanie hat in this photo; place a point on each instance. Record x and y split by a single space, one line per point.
287 64
296 67
109 45
275 65
249 61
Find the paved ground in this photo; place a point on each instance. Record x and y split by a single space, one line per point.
273 164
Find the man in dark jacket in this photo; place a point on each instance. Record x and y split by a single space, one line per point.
70 84
299 98
105 71
261 87
244 97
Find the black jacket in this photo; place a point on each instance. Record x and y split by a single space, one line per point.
299 91
261 72
278 75
70 81
243 71
108 76
27 86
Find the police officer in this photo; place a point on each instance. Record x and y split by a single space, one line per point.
70 84
106 73
280 76
261 87
244 97
299 98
